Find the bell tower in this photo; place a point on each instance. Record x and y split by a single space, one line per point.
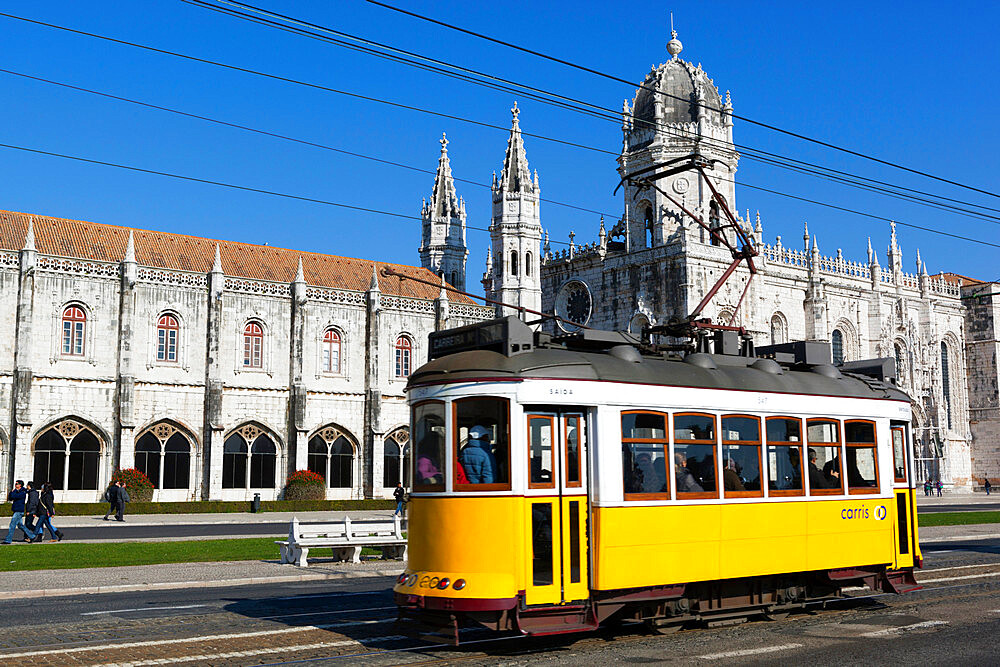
442 246
516 231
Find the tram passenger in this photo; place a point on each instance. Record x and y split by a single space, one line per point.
731 477
428 471
794 482
685 480
648 476
817 480
477 458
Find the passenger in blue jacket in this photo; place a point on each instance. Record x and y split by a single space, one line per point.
17 497
477 458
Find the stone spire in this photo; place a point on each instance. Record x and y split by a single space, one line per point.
516 176
442 247
130 248
373 285
895 254
29 237
870 255
805 237
674 46
217 264
300 274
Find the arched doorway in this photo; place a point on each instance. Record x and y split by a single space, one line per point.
164 453
68 454
333 455
250 463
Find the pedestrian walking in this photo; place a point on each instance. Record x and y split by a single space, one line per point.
46 510
400 495
939 487
17 496
31 511
927 487
111 498
122 499
987 487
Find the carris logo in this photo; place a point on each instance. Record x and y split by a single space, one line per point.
880 512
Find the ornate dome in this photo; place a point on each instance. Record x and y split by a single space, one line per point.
678 83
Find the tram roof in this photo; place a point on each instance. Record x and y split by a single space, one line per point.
624 363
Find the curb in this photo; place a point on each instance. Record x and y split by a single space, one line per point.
168 585
960 538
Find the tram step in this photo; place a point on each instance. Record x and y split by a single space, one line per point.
555 620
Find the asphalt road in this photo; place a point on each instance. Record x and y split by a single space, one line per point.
952 620
972 507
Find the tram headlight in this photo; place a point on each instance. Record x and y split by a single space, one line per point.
459 584
401 579
412 580
443 584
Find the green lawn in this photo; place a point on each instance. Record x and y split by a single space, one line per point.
957 518
67 555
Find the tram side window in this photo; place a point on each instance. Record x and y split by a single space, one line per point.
862 459
784 456
482 444
741 456
541 429
694 456
899 454
428 436
644 455
825 475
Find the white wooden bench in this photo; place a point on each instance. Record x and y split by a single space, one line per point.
346 538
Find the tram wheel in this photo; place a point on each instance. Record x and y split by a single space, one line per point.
663 626
775 615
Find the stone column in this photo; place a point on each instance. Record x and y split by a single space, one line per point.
441 309
371 452
123 456
297 396
20 432
212 440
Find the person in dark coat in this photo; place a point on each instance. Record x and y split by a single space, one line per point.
122 499
17 496
400 496
31 511
46 510
686 483
817 480
477 458
111 497
987 487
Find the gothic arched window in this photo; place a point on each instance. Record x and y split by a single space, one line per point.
68 455
777 330
946 381
837 347
74 329
331 456
647 223
163 453
513 262
900 363
527 264
396 459
167 329
263 459
249 448
253 345
404 356
331 351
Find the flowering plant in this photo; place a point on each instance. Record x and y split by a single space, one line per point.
305 485
139 488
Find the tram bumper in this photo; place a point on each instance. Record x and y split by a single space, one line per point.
433 618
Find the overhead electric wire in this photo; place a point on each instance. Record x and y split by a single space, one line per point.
612 77
234 186
555 99
452 117
326 202
275 135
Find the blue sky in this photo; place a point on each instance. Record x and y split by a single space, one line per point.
912 84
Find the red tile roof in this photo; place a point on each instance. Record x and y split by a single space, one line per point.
964 281
91 240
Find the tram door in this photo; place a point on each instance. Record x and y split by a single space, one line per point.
556 506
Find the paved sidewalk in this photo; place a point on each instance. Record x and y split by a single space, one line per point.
52 583
219 519
957 498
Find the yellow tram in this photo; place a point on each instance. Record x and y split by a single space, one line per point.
559 483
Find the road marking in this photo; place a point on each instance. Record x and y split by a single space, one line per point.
122 611
250 652
325 613
748 651
887 632
204 638
965 576
326 595
959 538
959 567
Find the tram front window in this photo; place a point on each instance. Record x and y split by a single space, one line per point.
644 455
428 434
862 464
482 444
694 456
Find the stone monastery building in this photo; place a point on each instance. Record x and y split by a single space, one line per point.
219 368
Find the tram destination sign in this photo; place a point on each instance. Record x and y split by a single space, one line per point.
507 335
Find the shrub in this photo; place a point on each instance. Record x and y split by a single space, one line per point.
139 488
305 485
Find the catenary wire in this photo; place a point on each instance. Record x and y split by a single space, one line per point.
276 135
411 217
569 103
630 83
452 117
